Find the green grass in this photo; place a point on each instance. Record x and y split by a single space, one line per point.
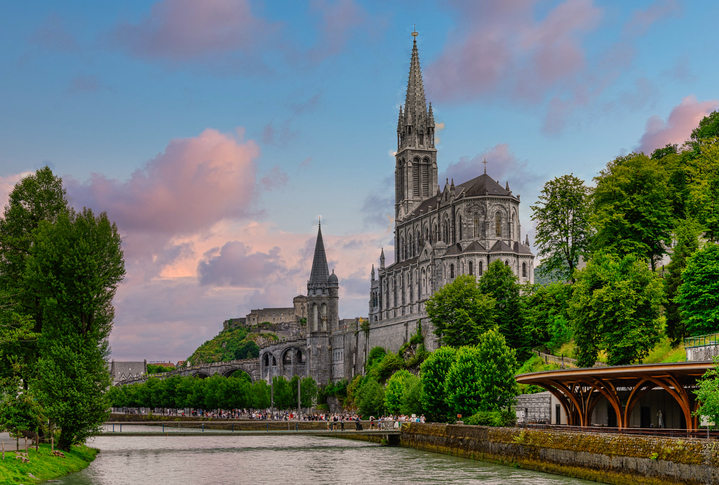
44 465
664 353
534 364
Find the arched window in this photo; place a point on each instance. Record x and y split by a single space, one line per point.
287 358
498 224
476 225
479 269
451 271
524 270
460 228
506 262
471 268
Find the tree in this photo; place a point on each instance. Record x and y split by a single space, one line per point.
632 208
482 378
687 237
370 398
460 312
74 267
500 283
708 129
563 230
708 394
433 373
308 392
615 307
36 198
412 398
395 391
546 315
698 297
260 395
703 188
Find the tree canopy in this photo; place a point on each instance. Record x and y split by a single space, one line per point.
698 296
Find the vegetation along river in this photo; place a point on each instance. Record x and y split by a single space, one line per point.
210 460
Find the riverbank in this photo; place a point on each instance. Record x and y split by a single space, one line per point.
605 458
43 465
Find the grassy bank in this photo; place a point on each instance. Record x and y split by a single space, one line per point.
43 465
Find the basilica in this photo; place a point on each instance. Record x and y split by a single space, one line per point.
440 232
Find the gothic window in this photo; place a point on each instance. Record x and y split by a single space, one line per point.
401 244
524 270
425 178
471 268
460 227
287 358
451 271
411 288
416 177
498 224
479 269
323 316
315 318
476 225
436 232
506 262
421 139
511 235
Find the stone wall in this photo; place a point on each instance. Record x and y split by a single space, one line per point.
606 458
535 408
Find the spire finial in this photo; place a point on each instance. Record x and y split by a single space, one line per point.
485 165
319 223
414 32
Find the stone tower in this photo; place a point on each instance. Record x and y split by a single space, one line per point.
416 158
322 312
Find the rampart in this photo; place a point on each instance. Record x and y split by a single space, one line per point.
606 458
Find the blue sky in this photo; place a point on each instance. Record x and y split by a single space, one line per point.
216 132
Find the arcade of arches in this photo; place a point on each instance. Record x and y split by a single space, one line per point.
631 395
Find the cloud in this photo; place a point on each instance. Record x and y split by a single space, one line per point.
500 47
275 179
83 84
182 31
278 137
641 20
54 35
337 20
306 163
678 126
234 265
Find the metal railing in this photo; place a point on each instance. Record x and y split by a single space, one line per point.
660 432
708 340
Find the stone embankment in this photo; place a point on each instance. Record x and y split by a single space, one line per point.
606 458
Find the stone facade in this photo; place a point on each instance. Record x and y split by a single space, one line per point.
439 233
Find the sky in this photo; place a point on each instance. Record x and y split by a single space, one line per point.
215 133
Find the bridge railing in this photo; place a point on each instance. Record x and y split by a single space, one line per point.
185 370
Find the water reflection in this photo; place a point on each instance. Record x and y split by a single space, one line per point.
210 460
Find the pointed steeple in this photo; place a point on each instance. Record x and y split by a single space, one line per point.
320 271
381 259
415 103
373 272
400 120
430 116
526 242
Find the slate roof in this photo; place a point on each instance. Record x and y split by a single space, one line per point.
482 185
474 247
126 370
320 271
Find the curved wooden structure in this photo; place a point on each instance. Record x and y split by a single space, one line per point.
579 390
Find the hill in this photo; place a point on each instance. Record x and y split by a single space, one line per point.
230 344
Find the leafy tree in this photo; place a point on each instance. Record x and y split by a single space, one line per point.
500 283
632 208
395 391
708 394
615 307
563 230
433 374
703 196
412 397
74 268
260 395
687 237
460 312
248 350
698 297
708 129
21 412
308 392
370 398
546 313
158 369
36 198
482 377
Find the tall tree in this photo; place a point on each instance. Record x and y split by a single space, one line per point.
698 296
460 312
500 283
74 268
687 237
433 374
563 230
703 197
632 208
615 307
546 314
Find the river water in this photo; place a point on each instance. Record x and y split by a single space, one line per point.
296 460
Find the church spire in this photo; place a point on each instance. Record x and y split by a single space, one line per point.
320 271
415 103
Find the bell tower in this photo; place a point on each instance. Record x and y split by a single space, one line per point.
415 174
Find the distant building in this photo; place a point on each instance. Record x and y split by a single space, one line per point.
120 371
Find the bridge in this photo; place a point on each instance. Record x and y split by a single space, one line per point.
249 366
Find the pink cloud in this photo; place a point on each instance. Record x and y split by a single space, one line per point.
678 126
643 19
501 47
187 30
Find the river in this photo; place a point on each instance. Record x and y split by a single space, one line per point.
296 460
